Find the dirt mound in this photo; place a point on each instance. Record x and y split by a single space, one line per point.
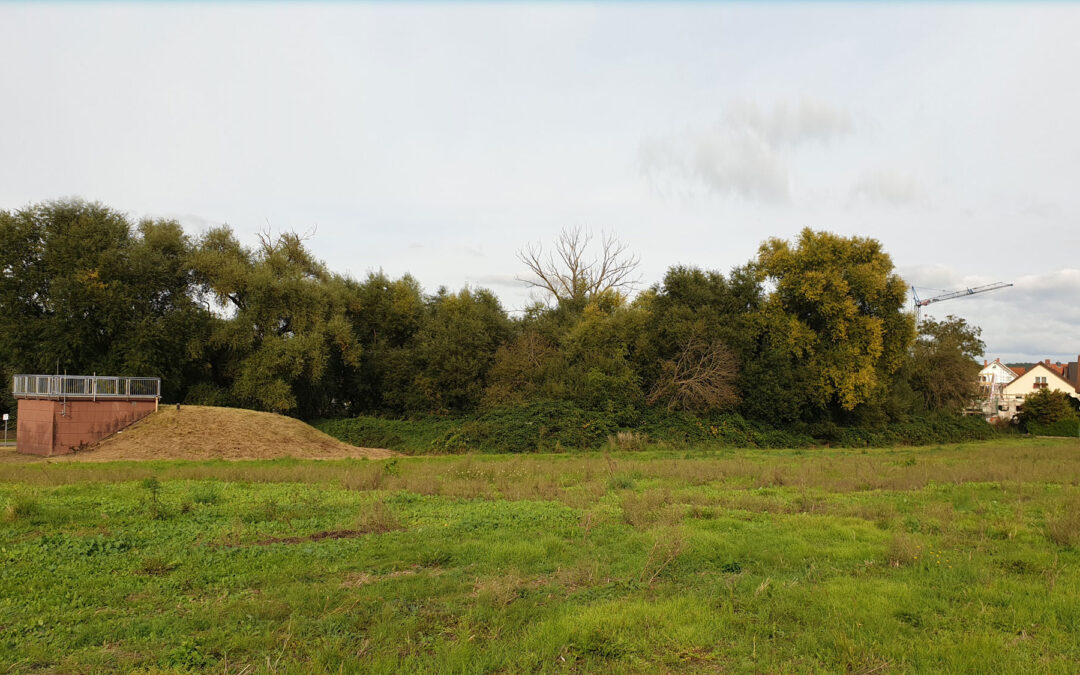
205 432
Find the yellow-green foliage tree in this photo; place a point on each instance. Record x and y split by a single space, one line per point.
836 304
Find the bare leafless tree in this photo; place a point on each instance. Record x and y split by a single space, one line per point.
699 379
575 272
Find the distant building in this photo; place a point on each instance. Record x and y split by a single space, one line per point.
993 377
1043 375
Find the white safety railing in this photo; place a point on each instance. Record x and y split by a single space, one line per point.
85 386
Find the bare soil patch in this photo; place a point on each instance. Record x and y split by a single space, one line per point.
206 432
318 536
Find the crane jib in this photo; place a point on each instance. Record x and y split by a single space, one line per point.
957 294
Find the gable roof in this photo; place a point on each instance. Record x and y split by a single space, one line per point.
1048 369
998 362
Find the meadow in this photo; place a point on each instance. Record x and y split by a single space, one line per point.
954 558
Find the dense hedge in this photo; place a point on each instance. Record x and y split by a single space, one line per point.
1059 428
940 428
407 436
555 426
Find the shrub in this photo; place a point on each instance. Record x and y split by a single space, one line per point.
20 507
1047 407
155 566
205 494
206 393
538 426
936 428
408 436
364 432
621 481
1058 428
153 498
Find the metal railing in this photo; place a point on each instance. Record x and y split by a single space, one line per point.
85 386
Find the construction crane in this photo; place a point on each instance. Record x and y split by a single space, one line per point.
919 304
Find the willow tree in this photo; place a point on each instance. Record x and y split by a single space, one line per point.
838 305
285 334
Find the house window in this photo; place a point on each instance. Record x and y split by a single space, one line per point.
1040 383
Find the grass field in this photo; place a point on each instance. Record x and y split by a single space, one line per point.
944 559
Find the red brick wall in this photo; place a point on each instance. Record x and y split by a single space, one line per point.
55 428
34 432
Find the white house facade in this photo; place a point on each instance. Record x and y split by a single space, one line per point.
994 376
1035 379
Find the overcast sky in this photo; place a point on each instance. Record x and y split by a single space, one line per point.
438 139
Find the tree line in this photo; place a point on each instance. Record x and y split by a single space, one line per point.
807 331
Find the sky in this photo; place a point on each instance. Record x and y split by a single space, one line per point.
439 139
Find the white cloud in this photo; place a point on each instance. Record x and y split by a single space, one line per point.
791 125
889 187
746 154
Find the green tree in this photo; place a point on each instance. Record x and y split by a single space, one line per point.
583 354
697 334
521 370
455 349
83 291
386 315
286 334
943 369
596 355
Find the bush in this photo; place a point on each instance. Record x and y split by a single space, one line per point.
20 507
206 393
407 436
937 428
205 494
1059 428
365 432
535 427
544 426
1047 407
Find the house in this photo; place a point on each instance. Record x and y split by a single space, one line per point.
993 376
1043 375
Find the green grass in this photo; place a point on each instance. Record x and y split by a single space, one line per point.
961 558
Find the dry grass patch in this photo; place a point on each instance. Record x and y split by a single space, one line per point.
1063 528
650 508
376 519
500 591
902 549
